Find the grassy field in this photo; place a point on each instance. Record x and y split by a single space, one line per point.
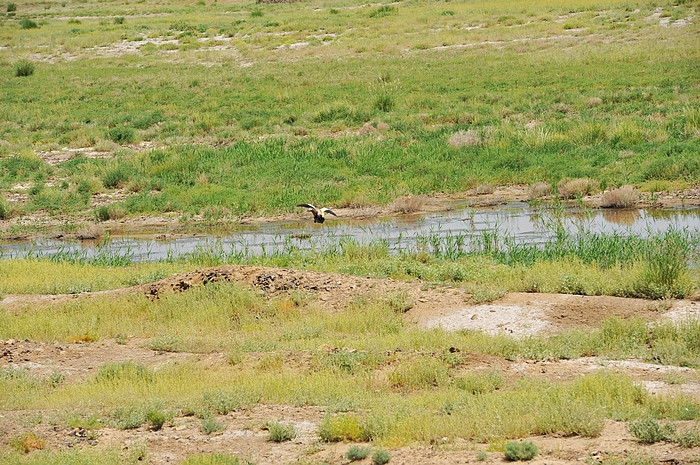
224 109
237 108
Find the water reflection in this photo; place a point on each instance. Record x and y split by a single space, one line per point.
516 221
622 217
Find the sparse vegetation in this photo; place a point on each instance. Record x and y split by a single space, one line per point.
520 450
357 453
649 431
27 443
280 432
212 113
211 425
380 457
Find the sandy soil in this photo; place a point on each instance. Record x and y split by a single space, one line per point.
517 314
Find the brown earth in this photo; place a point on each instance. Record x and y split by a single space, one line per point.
518 314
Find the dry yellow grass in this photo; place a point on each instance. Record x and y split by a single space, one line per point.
622 197
579 187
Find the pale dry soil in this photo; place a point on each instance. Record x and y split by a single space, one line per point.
516 314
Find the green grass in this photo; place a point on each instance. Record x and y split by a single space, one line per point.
350 105
418 397
375 65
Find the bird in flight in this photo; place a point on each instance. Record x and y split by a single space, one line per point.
319 213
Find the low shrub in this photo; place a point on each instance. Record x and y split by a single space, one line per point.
357 453
380 457
525 450
280 432
156 419
571 189
11 7
687 439
109 212
28 24
24 68
649 431
623 197
211 425
122 135
344 427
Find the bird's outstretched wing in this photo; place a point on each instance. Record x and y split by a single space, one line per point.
308 205
327 210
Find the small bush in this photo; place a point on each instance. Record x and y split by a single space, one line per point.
380 457
687 439
649 431
155 419
525 450
11 7
577 188
119 20
122 135
256 13
211 425
539 190
24 68
128 418
109 212
279 432
623 197
346 427
28 24
357 453
481 456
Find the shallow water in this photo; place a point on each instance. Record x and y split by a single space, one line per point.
517 221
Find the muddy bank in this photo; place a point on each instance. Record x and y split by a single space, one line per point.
171 226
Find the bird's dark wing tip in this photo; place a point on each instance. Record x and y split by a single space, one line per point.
331 212
305 205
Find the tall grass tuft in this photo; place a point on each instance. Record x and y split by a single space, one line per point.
5 211
24 68
666 269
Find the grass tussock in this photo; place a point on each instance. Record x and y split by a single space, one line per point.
622 197
576 188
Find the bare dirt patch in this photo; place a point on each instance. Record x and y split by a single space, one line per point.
519 314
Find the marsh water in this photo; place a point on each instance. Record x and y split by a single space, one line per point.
517 222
